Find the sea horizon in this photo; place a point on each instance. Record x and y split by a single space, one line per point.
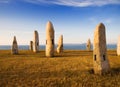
66 47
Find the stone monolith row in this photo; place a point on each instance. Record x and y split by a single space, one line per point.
49 40
36 42
100 60
14 48
88 45
60 44
31 45
118 46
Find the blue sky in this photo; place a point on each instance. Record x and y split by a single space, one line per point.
75 19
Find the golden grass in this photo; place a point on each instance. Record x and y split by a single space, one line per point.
71 69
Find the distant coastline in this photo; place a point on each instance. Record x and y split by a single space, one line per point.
66 47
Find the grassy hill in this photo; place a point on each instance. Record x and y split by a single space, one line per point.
71 69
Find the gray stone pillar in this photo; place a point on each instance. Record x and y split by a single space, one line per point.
36 42
118 46
60 44
88 45
49 40
14 48
100 60
31 45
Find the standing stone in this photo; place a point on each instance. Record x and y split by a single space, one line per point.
36 42
14 49
118 47
88 45
31 45
100 60
49 40
60 44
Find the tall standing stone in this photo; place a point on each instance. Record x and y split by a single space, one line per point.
36 42
60 44
100 60
88 45
49 40
118 47
31 45
14 49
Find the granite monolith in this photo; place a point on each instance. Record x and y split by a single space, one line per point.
88 45
36 42
118 46
14 48
100 60
60 44
31 45
49 40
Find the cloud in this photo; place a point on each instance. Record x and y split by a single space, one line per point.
76 3
73 3
4 1
98 20
109 21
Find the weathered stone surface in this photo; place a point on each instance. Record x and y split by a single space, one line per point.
49 40
14 48
118 47
88 45
36 42
31 45
60 44
100 60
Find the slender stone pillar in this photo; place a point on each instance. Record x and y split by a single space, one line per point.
60 44
14 48
88 45
36 42
31 45
49 40
100 60
118 46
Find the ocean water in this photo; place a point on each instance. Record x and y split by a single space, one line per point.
66 47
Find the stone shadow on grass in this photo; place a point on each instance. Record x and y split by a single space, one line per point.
112 72
115 71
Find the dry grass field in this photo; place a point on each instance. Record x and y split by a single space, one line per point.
71 69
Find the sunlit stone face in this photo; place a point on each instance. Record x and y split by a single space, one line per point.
100 60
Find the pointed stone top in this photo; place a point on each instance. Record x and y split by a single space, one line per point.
49 26
14 38
89 40
61 36
100 25
35 31
49 22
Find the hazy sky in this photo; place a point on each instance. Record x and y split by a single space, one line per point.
75 19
